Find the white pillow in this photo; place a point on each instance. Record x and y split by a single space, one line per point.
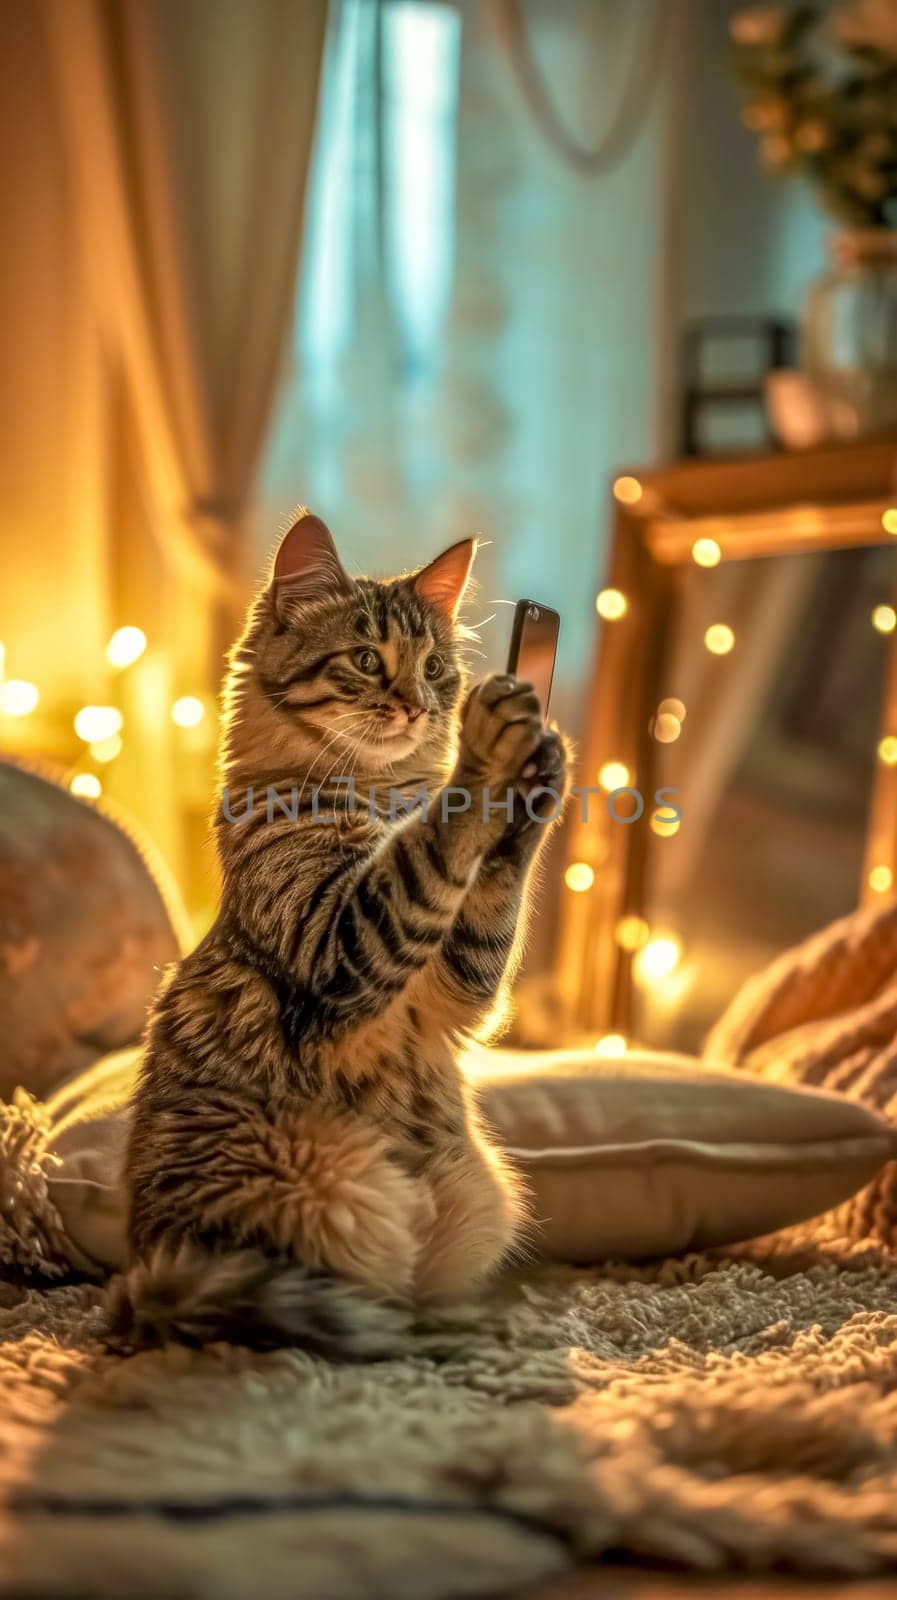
648 1155
653 1154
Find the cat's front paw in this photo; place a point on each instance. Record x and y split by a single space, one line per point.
539 798
544 781
500 731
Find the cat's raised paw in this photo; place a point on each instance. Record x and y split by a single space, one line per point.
501 730
545 776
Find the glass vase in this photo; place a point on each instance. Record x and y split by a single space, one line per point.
849 334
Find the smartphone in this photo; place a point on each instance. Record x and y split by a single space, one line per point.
534 644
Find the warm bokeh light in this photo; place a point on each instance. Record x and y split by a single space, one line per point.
614 775
889 520
812 136
2 660
632 932
125 647
667 727
95 723
775 151
87 785
887 750
611 604
884 619
881 879
579 877
706 553
719 639
611 1044
18 697
664 826
673 706
627 490
658 960
106 749
188 711
756 25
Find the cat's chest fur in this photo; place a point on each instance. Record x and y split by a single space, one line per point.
245 1027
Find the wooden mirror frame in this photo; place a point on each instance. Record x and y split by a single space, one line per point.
829 498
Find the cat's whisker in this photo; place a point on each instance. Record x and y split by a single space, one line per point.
338 734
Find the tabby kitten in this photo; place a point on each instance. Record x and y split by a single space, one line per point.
306 1158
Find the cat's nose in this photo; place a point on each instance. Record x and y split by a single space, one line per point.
413 712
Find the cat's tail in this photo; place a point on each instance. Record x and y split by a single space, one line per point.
187 1294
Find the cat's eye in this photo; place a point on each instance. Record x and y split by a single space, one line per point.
433 666
367 661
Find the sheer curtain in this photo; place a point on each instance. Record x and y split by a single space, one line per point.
188 130
186 134
375 293
478 339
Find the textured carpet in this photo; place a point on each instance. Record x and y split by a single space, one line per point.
713 1412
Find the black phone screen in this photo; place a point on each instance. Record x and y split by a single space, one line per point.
534 643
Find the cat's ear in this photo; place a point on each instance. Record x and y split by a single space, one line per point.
444 581
307 567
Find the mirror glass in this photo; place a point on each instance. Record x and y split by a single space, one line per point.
778 666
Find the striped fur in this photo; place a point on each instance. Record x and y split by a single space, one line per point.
302 1135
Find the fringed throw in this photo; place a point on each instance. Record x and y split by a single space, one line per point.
32 1238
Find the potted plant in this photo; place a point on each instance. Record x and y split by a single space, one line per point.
820 90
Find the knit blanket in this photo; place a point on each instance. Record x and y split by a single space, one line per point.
825 1014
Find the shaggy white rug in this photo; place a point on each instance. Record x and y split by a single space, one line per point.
713 1412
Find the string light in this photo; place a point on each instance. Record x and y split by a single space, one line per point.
18 697
719 639
86 785
884 619
125 647
106 749
627 490
674 707
666 727
706 553
632 932
887 750
611 605
889 520
611 1044
579 877
880 879
657 961
188 711
663 826
614 775
95 723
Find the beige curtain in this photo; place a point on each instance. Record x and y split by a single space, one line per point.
188 126
186 130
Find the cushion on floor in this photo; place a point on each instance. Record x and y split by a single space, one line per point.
87 921
647 1156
